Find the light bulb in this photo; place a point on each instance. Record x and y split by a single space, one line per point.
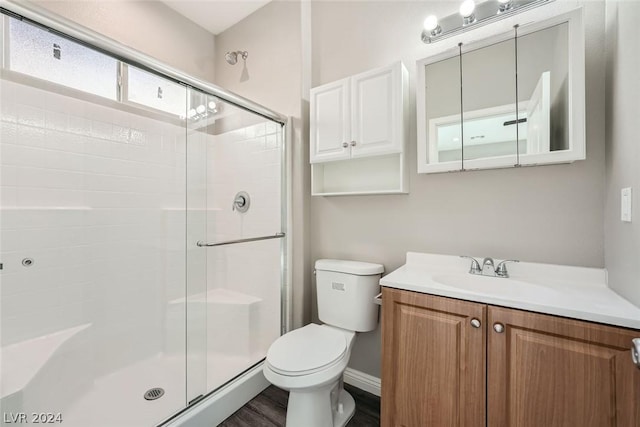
201 109
212 105
191 113
466 8
431 23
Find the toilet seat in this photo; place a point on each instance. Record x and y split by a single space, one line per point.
307 350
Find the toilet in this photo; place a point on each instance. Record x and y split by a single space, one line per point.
309 362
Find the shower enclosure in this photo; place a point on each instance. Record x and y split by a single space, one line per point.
142 220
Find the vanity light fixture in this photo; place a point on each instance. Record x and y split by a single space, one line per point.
472 15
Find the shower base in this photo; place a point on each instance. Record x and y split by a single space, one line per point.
118 398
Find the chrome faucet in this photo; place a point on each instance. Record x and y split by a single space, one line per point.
488 267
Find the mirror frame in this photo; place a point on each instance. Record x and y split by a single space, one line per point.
576 94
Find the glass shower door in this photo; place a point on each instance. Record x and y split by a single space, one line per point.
92 238
240 241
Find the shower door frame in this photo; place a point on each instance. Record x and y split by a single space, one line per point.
43 18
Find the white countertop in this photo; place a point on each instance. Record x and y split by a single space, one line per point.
575 292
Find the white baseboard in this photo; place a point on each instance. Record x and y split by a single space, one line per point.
362 381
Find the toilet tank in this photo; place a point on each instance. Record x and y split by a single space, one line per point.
345 291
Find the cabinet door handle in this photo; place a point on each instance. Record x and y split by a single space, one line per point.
498 327
345 144
353 143
635 352
475 323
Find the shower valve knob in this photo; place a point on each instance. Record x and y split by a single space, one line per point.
241 202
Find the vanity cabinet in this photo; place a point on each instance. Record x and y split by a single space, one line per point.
537 370
433 361
358 131
552 371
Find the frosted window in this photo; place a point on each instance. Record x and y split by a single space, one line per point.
156 92
44 55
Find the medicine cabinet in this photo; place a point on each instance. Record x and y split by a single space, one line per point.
514 99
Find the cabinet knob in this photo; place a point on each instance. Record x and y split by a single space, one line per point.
498 327
345 144
635 352
353 143
475 323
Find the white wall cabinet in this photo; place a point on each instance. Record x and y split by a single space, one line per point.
331 122
358 133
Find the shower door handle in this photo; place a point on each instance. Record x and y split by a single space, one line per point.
278 235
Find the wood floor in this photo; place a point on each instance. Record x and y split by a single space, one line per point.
268 409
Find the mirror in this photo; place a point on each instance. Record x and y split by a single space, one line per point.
489 97
443 106
520 100
543 83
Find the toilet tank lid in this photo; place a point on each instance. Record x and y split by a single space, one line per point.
350 267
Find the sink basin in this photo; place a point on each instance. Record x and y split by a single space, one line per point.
493 285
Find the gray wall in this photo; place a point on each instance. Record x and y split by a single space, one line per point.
148 26
622 242
547 214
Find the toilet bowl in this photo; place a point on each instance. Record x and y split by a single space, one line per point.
309 362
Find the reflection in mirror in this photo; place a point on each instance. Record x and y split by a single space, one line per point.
490 117
442 107
543 82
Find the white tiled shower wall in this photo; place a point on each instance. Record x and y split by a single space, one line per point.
95 196
248 159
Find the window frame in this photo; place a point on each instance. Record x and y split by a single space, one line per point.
121 82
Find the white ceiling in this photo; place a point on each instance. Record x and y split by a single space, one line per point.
215 15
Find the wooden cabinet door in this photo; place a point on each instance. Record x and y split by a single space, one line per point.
330 122
546 371
376 113
433 361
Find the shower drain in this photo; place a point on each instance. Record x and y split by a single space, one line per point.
154 393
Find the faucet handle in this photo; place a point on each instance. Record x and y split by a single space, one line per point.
501 268
475 266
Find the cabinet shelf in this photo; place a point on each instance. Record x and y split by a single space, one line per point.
367 175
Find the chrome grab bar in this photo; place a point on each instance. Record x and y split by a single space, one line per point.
278 235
